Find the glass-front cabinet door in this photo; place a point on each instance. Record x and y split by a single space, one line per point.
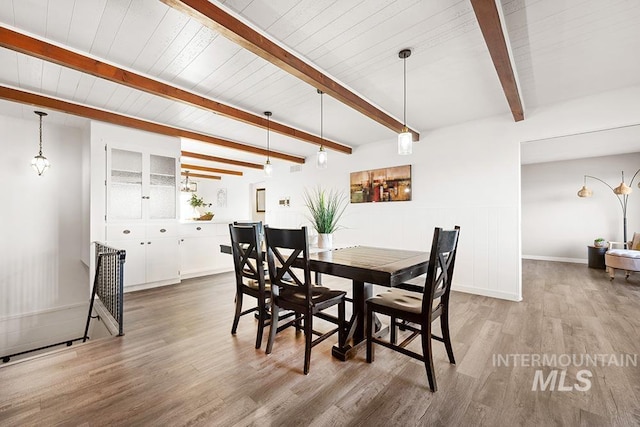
125 190
162 187
141 186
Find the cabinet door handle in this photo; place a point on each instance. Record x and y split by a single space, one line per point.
148 243
182 240
142 243
162 230
126 231
198 228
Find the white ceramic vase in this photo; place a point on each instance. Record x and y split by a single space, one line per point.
325 241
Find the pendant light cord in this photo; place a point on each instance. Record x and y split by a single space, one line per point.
40 153
404 93
321 118
268 129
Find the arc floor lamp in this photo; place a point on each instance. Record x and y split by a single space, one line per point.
622 192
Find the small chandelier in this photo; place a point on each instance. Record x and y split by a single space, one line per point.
322 157
268 167
187 185
40 163
405 139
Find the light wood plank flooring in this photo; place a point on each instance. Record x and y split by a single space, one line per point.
178 364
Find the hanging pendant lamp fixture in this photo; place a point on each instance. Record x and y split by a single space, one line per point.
405 139
40 163
268 167
322 157
188 186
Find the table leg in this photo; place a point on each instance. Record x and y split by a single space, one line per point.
356 333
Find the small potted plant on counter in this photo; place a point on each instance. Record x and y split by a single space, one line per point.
198 205
599 242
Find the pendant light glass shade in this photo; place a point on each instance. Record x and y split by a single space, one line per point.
322 157
405 139
40 163
321 160
405 142
268 167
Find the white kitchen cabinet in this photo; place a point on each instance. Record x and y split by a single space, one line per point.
152 253
200 249
141 214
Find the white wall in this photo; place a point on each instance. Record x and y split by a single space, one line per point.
557 224
41 241
238 204
467 174
460 175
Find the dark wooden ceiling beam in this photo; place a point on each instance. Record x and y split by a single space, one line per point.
200 175
489 20
214 17
221 160
40 49
207 169
22 97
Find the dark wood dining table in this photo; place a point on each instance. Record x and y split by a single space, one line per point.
365 266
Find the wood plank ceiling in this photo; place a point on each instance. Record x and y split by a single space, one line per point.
450 76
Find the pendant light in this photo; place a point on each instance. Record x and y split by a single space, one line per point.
322 158
40 163
405 139
268 167
188 186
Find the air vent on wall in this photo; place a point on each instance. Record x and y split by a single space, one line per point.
295 168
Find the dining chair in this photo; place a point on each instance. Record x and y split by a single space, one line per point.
416 311
258 225
292 289
248 258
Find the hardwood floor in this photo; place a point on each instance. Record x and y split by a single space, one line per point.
178 364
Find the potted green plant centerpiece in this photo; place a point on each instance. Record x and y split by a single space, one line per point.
325 209
599 242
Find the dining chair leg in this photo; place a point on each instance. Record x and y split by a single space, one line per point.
261 319
298 323
446 336
342 333
308 337
369 328
393 329
428 356
273 327
236 318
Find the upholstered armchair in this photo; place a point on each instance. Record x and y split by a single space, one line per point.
623 256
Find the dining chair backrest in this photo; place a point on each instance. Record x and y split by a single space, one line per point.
246 250
440 270
284 247
258 225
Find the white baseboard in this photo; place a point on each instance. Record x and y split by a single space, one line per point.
555 259
486 292
200 273
143 286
